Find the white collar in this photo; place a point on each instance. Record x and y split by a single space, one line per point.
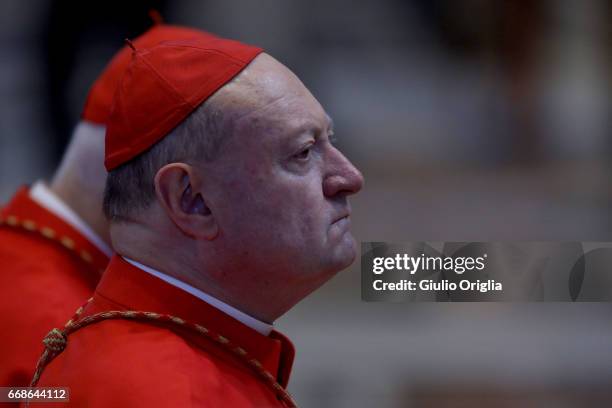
255 324
42 195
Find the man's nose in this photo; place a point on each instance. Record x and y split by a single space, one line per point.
342 177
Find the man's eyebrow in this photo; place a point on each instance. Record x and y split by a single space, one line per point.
313 127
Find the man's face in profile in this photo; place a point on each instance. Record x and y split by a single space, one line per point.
281 187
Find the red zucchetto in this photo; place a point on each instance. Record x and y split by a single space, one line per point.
99 100
163 85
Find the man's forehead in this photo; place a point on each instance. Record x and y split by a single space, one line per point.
284 115
289 126
270 135
268 99
313 123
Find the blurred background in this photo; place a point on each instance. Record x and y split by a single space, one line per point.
472 120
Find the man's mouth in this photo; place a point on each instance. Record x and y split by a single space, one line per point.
344 216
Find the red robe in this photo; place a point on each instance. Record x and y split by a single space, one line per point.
130 363
47 270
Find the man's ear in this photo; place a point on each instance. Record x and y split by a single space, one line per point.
179 193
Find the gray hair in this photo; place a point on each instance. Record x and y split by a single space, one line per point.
130 187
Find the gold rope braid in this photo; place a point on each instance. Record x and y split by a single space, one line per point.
50 234
55 342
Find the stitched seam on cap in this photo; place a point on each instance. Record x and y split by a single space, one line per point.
144 143
233 58
164 81
172 88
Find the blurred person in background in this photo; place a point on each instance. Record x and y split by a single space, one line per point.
228 205
68 46
54 238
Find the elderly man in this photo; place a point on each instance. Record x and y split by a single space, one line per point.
54 239
228 205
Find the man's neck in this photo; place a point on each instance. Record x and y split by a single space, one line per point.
162 246
250 321
86 204
53 203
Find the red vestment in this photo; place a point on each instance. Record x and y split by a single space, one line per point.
47 270
132 363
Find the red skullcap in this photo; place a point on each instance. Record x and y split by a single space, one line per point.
99 100
163 85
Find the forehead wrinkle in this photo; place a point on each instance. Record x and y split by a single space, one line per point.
240 117
290 120
297 126
313 125
256 91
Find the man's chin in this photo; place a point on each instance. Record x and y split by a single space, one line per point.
344 253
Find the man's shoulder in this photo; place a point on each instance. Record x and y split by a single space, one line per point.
108 342
119 362
33 236
40 287
40 284
32 271
21 243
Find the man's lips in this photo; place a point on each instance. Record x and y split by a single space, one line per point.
342 216
341 225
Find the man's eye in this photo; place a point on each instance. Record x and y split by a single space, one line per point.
303 154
